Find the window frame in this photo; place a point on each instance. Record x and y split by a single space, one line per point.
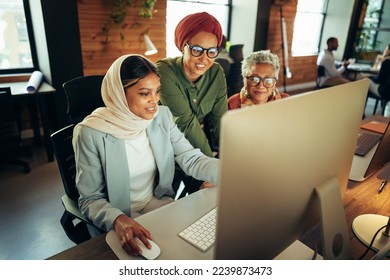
374 30
34 56
324 14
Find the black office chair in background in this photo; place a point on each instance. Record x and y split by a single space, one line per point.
10 141
383 98
83 95
225 64
377 100
234 79
320 74
72 221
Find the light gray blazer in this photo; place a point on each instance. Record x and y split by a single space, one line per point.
102 176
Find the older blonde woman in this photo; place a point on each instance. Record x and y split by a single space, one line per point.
260 71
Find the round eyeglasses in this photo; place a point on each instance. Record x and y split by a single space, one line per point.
254 81
197 51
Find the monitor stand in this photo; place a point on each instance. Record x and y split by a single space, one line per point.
365 226
335 237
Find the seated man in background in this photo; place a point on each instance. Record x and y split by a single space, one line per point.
333 76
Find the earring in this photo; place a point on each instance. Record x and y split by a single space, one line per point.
246 94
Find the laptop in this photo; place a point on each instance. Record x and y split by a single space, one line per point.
364 166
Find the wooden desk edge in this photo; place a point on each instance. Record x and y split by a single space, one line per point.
93 249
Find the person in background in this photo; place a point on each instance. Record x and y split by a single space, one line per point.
260 71
381 57
333 76
126 152
380 84
194 87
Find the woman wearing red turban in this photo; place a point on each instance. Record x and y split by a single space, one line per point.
193 86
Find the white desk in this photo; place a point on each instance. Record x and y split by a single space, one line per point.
164 223
19 91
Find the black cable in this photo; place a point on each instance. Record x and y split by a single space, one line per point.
372 242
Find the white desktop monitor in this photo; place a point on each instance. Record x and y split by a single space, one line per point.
276 160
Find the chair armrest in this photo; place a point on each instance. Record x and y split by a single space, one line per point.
72 208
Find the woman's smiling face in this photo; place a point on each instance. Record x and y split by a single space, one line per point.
194 67
143 96
259 93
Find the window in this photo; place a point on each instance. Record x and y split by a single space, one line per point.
307 27
367 35
17 53
218 8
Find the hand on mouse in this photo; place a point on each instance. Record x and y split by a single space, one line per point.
127 229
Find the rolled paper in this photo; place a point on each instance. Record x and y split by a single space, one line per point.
34 82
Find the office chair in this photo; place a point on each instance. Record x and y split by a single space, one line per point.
377 100
72 221
384 90
225 64
83 95
10 141
383 98
320 74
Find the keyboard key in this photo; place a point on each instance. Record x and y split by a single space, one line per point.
366 141
201 233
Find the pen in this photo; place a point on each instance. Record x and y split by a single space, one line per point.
382 186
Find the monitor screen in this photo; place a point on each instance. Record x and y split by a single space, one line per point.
279 163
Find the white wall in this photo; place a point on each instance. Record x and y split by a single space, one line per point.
337 23
243 25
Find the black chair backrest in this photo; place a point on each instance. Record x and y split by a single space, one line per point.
234 80
320 71
9 130
63 150
237 52
225 64
83 95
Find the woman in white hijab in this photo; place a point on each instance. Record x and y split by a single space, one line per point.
126 153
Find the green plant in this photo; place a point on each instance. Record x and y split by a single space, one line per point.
147 7
366 37
117 17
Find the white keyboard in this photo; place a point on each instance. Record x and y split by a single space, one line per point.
201 233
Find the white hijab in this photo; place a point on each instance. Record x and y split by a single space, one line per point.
116 118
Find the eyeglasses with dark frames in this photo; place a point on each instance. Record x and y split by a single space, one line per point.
197 51
268 82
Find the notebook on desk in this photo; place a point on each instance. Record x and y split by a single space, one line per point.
365 165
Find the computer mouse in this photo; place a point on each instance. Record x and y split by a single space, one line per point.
149 254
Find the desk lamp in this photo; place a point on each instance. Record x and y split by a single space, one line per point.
366 226
150 48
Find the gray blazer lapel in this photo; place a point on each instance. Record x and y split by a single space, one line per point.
117 174
163 153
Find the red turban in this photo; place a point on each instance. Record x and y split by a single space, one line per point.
192 24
